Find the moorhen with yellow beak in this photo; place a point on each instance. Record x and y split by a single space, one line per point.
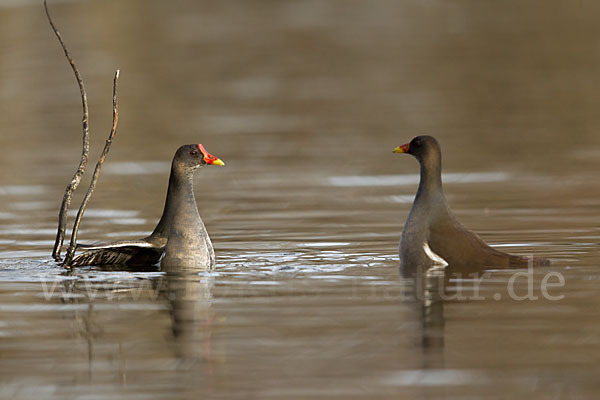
180 237
432 235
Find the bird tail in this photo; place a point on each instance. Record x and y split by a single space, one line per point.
520 261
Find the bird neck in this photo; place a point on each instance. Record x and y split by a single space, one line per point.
431 177
180 201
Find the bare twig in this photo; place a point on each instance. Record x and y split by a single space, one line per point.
66 202
73 245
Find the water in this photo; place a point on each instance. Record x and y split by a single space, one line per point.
305 103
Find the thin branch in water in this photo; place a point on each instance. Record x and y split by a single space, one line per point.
72 186
73 245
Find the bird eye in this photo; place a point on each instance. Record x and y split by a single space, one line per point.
417 143
193 152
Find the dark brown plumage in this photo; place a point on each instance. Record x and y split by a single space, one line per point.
432 234
128 252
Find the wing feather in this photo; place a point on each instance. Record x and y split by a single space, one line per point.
128 252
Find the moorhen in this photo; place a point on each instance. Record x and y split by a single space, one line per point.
180 237
432 235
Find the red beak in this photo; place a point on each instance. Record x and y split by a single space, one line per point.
209 158
402 149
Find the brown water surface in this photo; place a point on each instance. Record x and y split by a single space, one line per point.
304 101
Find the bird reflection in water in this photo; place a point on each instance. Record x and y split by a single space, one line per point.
189 298
424 286
428 288
184 292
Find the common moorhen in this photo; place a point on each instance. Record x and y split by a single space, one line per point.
432 234
180 234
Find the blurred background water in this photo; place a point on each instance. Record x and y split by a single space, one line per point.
304 101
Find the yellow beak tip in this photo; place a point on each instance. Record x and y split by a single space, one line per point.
218 162
398 150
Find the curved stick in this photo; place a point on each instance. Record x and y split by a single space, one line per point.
73 245
66 202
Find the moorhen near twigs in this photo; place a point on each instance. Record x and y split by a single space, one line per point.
432 235
180 237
